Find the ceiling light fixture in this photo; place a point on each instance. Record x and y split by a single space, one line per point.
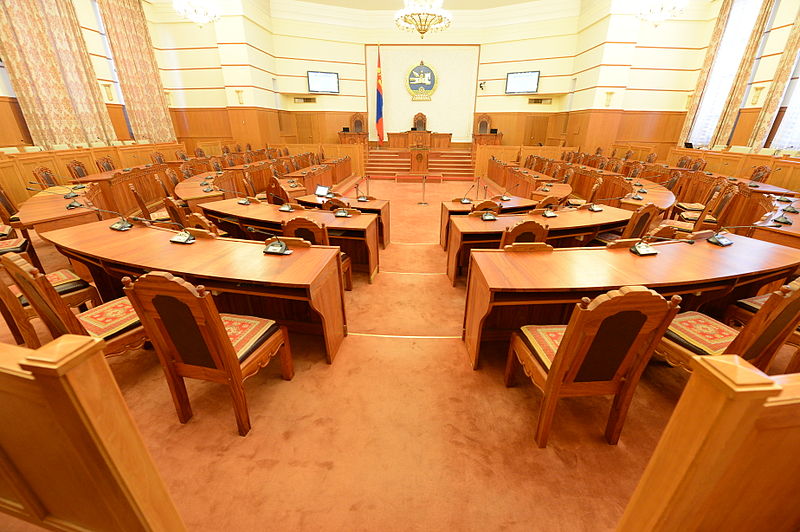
423 16
657 11
198 11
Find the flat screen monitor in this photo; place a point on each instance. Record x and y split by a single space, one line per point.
688 145
493 131
346 129
325 82
522 82
322 191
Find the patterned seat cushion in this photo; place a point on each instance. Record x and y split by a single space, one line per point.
110 319
543 341
15 245
693 216
679 225
753 304
575 202
247 333
160 216
607 238
5 230
64 281
691 206
700 334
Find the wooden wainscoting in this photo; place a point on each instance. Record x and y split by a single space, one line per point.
785 170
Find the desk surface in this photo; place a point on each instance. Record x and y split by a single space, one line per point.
49 205
270 213
217 258
313 199
604 269
190 189
566 219
105 176
515 203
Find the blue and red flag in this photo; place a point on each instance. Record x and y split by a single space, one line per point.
379 103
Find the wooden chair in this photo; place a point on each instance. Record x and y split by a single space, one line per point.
77 169
193 340
524 231
225 150
175 212
44 176
196 220
181 155
248 147
157 157
19 313
760 174
217 164
186 170
105 164
651 157
9 241
238 148
602 351
144 210
114 321
486 205
331 204
684 162
697 164
549 202
528 246
639 224
628 155
199 152
615 165
317 234
695 334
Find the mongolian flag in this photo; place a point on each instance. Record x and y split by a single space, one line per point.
379 103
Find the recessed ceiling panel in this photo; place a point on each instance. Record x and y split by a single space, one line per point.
398 4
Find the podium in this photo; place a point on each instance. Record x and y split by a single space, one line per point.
419 159
347 137
407 139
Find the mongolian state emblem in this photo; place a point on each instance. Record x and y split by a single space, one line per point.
422 82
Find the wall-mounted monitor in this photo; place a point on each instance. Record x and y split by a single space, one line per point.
325 82
522 82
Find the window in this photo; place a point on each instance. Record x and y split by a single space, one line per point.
787 135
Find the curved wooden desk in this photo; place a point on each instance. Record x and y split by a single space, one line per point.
192 192
456 208
506 290
471 231
658 195
302 291
357 235
47 210
377 206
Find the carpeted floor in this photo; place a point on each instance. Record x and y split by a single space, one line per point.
399 433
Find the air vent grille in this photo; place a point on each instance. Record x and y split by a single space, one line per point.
540 101
305 100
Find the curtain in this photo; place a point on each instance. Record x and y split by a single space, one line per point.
729 54
702 79
50 71
730 112
778 87
129 38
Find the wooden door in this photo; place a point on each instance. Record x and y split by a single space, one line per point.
305 128
535 129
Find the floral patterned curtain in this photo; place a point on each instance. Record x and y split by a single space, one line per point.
49 68
145 103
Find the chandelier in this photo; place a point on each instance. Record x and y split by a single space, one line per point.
198 11
657 11
422 16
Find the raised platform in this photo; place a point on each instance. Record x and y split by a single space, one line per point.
451 164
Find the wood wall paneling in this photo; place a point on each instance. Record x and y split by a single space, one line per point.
13 130
744 126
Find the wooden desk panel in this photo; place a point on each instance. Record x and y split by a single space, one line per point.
455 208
359 238
376 206
114 186
506 290
468 232
302 290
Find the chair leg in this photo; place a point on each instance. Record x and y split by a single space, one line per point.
546 413
512 364
240 407
31 251
177 388
619 411
347 272
285 356
794 363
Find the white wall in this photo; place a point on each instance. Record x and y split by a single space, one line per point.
452 105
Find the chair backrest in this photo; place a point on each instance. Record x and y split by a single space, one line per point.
187 170
199 152
248 147
760 173
420 122
172 176
77 169
486 205
105 164
628 155
651 157
524 231
549 202
248 186
684 162
225 150
698 164
157 157
769 328
164 188
331 204
308 230
612 336
198 221
181 155
183 324
44 176
238 148
7 207
49 306
635 169
674 177
615 165
174 211
528 246
217 164
145 211
641 221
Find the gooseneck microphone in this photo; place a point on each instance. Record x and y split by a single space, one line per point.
505 196
465 200
642 248
69 195
360 197
594 207
183 237
120 225
244 201
285 206
273 248
718 239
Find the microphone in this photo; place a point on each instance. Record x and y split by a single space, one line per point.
285 206
594 207
722 241
465 200
69 195
244 201
790 208
642 248
183 237
273 248
361 197
120 225
505 196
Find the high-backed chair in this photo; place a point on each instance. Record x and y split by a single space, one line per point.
651 157
181 155
486 205
317 234
760 174
684 162
11 224
199 152
77 169
639 224
144 209
175 212
697 164
225 150
44 176
105 164
186 170
198 221
524 231
19 313
157 157
332 204
193 340
602 351
114 321
693 333
549 202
